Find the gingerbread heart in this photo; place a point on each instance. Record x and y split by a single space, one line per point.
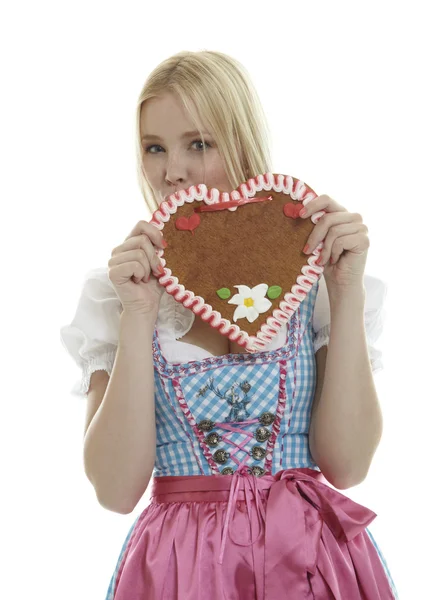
235 259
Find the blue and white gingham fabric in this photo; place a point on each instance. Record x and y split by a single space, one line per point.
178 450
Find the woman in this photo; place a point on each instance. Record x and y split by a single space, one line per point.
262 522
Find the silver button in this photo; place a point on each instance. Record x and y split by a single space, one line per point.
258 453
227 471
262 434
206 425
213 439
258 471
267 418
221 456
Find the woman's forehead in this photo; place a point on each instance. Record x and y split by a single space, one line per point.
166 113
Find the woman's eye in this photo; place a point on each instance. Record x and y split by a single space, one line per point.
153 146
200 142
149 148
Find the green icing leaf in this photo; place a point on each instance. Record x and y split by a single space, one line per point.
224 293
274 291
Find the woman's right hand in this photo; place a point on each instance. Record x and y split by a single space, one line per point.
133 270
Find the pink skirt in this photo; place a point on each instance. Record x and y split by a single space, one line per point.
241 537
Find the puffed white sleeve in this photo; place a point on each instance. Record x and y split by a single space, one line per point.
374 314
91 338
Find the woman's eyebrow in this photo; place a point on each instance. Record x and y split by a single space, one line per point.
151 136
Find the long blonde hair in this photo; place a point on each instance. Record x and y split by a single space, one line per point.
219 88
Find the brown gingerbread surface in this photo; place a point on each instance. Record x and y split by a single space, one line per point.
254 244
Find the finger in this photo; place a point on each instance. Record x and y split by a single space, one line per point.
140 241
327 222
357 243
152 260
135 257
336 240
320 203
129 244
154 234
122 271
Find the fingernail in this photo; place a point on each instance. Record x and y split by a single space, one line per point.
303 212
160 269
164 244
306 249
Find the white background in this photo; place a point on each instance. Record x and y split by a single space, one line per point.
346 89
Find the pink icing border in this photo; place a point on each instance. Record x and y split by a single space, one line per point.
310 272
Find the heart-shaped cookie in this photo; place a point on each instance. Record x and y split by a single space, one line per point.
235 259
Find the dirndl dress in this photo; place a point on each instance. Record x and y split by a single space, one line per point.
239 510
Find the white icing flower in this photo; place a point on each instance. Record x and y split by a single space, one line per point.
251 302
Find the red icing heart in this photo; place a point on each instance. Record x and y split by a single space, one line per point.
188 224
293 210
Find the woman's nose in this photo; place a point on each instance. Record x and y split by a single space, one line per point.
175 169
174 180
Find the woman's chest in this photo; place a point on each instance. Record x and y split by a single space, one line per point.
208 338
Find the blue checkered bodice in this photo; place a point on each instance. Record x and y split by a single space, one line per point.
220 413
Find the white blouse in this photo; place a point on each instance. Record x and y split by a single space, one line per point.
92 336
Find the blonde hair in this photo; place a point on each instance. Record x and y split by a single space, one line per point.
220 90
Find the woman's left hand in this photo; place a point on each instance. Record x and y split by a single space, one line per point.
345 243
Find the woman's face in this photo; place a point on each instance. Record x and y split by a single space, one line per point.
173 156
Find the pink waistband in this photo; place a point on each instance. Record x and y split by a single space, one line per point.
300 498
186 487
